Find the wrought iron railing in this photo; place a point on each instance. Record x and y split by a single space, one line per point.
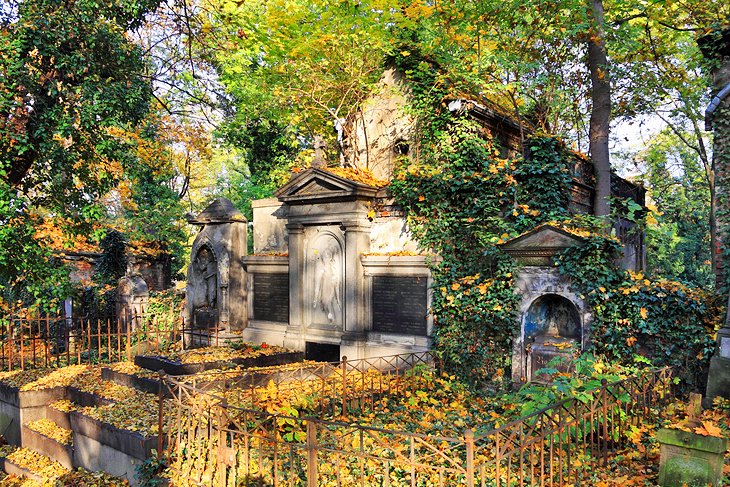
28 341
210 441
339 387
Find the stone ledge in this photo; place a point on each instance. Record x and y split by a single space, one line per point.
685 439
131 443
143 384
11 468
47 446
157 363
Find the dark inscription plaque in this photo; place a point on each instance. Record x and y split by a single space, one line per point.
271 297
399 304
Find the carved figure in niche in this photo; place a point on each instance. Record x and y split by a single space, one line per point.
328 281
552 315
206 266
558 319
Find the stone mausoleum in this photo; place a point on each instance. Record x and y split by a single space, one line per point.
334 270
322 277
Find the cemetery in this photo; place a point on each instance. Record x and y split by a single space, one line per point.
312 243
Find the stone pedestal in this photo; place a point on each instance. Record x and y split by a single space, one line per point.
688 459
718 378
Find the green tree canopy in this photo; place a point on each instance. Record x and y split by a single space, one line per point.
68 74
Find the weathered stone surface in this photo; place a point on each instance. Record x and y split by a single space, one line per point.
539 246
49 447
381 131
389 235
550 312
688 459
269 229
216 272
132 297
221 210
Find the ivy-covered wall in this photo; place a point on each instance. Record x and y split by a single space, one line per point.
463 200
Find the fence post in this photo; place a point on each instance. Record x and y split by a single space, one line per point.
469 442
311 453
160 412
343 367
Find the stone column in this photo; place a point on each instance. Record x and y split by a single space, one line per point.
294 333
357 242
721 166
716 49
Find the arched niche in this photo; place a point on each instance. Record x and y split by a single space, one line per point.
326 270
552 314
205 275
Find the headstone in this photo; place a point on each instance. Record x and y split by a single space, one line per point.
554 319
718 377
688 458
132 297
215 271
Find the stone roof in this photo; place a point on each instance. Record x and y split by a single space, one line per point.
221 210
315 185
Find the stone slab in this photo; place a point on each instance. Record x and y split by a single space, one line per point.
271 297
19 407
87 399
130 443
688 459
143 384
61 418
400 305
49 447
157 363
718 379
11 468
96 456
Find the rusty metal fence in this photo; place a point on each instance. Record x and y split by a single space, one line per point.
213 441
337 389
28 341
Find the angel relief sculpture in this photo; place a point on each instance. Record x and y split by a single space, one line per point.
328 281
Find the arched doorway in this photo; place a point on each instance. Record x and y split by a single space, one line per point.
552 329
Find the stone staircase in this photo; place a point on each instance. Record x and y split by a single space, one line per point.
67 429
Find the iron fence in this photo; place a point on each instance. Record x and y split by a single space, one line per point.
210 441
28 341
338 389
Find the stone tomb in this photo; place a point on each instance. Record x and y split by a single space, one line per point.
554 320
314 284
216 290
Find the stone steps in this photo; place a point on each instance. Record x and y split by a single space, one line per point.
25 462
48 446
94 445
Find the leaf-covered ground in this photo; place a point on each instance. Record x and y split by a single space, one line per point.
428 403
638 463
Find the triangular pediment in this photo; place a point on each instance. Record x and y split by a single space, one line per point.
317 185
538 246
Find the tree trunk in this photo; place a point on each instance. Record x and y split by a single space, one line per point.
600 111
